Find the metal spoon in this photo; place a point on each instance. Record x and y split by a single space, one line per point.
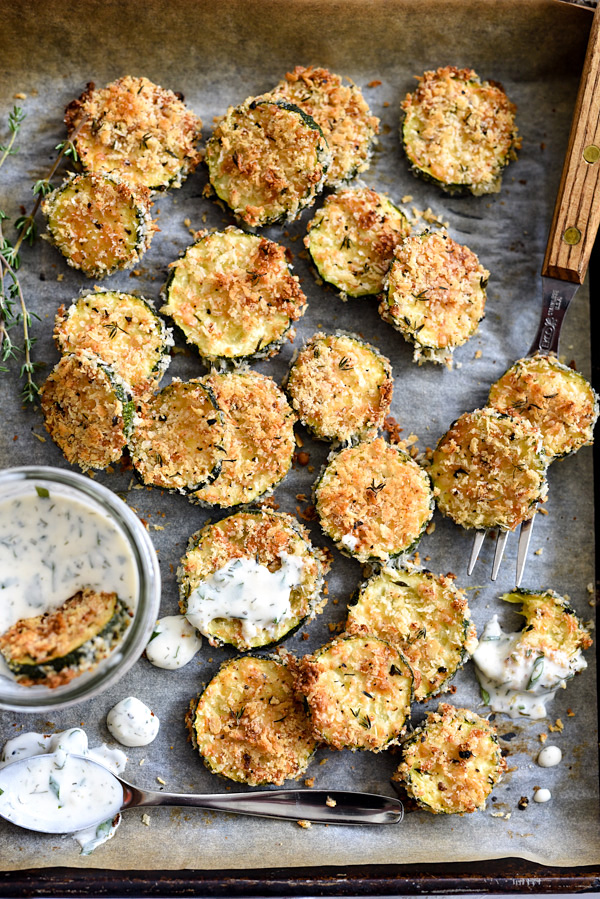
325 806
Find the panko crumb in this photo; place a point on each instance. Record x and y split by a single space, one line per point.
557 727
309 782
306 825
146 820
330 802
542 737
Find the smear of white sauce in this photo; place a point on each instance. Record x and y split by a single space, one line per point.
517 684
349 541
62 791
248 592
542 795
132 723
549 756
174 642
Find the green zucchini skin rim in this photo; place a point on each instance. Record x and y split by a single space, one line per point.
558 600
120 388
184 592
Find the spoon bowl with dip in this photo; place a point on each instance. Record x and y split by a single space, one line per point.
64 793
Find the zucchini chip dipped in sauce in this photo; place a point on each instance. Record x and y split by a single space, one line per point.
177 442
452 762
259 438
352 239
340 386
99 223
124 330
251 579
53 648
250 726
434 294
489 470
374 501
424 615
234 296
88 410
267 161
552 396
137 130
342 113
459 131
358 690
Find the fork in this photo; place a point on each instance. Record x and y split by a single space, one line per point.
572 234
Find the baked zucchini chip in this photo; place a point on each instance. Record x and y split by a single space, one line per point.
342 113
552 396
267 161
53 648
340 386
424 615
374 501
250 726
434 294
489 470
251 579
459 131
137 130
352 239
88 410
234 296
99 223
358 690
259 438
451 764
520 672
122 329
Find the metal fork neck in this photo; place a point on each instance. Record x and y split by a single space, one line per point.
556 298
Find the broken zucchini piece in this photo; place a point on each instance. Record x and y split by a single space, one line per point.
266 549
352 239
552 396
424 615
99 223
250 726
489 470
53 648
358 690
267 161
452 762
459 131
234 296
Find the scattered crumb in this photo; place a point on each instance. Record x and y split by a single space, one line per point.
60 277
161 781
374 83
187 222
20 96
305 636
558 726
302 458
478 354
299 440
323 762
309 782
542 738
386 104
570 713
523 803
542 511
430 528
392 428
538 552
39 437
407 198
141 762
305 824
146 819
330 802
505 815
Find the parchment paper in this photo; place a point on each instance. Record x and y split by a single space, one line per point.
216 54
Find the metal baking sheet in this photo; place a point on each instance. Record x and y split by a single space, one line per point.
218 54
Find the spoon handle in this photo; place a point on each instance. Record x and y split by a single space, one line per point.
328 807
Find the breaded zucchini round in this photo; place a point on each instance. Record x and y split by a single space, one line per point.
340 386
358 690
122 329
374 501
489 470
259 438
251 579
459 131
250 726
424 615
435 294
352 239
99 223
451 764
178 440
53 648
136 129
342 113
267 161
557 399
88 410
234 296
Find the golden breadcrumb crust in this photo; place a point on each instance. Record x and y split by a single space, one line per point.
552 628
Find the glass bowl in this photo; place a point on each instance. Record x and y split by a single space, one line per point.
144 581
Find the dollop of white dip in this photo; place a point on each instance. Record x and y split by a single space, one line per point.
132 723
549 756
247 591
542 795
517 683
173 643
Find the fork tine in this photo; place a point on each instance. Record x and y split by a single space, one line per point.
500 544
524 539
477 544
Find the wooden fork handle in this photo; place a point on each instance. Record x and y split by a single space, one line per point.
577 211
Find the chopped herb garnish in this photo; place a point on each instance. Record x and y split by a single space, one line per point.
42 492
